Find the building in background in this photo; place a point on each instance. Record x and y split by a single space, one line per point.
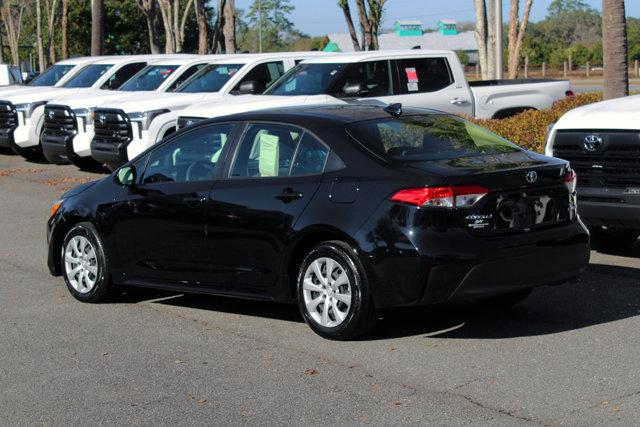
410 35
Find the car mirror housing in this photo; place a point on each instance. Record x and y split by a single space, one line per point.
355 89
250 87
126 176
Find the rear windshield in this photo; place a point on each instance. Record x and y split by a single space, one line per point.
210 79
88 75
416 138
149 78
51 76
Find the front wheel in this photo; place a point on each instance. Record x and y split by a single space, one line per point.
85 265
333 292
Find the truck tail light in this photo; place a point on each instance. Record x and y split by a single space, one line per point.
444 197
571 180
569 93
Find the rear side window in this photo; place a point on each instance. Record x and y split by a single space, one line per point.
265 74
375 75
269 150
420 75
122 75
427 137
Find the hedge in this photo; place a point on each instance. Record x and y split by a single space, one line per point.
529 128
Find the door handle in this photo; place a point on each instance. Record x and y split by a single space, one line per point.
456 101
194 199
288 195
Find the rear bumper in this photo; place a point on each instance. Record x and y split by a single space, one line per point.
609 207
431 267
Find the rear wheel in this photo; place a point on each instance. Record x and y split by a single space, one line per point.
85 266
29 153
613 238
333 292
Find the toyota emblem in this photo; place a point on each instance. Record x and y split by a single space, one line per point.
102 118
532 176
592 142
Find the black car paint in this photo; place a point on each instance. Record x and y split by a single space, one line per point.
242 240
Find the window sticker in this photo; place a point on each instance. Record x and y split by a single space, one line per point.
412 79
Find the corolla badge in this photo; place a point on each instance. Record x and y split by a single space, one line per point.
532 176
592 142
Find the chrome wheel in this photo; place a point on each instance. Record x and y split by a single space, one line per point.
326 292
81 264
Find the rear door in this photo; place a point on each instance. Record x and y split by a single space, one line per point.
275 172
430 83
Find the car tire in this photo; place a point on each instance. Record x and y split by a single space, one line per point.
612 238
506 300
85 265
29 153
336 304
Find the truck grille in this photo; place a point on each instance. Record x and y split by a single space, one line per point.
112 131
59 124
8 116
601 158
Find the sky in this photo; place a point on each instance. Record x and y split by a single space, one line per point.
319 17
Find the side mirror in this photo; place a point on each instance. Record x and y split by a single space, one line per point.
355 89
251 87
126 176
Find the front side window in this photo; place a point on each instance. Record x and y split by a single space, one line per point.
427 137
88 75
211 78
263 74
190 157
375 76
52 75
269 150
420 75
307 79
150 78
185 75
122 75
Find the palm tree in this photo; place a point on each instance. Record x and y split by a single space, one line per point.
97 27
614 41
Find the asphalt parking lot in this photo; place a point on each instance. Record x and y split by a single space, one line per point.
568 355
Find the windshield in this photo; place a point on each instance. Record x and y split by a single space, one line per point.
210 79
88 75
426 137
51 76
306 79
149 78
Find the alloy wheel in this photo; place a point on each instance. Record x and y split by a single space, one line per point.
327 292
81 264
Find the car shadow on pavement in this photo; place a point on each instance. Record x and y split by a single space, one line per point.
604 293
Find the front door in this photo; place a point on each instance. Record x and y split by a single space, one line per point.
253 211
161 230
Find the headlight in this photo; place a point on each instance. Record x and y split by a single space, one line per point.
27 109
55 205
145 118
86 114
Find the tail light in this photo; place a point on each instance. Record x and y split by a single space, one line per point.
444 197
571 180
569 93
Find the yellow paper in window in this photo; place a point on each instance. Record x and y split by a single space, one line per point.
269 155
216 155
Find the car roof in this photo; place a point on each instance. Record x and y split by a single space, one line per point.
247 58
119 59
187 60
372 55
344 113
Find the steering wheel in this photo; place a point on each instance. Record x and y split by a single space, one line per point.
201 170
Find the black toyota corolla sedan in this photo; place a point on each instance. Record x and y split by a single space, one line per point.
341 209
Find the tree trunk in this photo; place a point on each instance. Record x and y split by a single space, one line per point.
12 19
148 7
491 39
229 28
203 30
167 14
65 27
365 25
97 27
183 24
216 42
41 65
614 42
344 5
517 32
481 36
52 6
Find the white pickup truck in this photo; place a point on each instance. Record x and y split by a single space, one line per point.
602 142
125 129
68 121
22 113
415 78
10 75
